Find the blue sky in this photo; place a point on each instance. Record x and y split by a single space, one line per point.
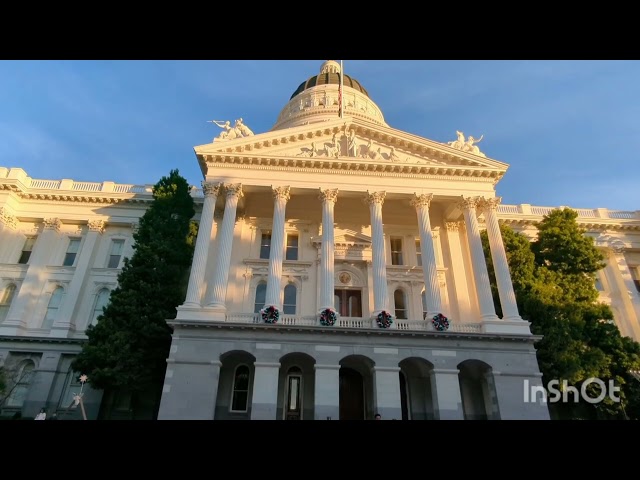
568 129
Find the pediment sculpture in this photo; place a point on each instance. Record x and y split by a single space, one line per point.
468 145
239 130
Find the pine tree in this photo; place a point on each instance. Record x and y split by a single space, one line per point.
128 347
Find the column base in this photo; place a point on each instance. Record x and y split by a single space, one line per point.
12 329
506 327
201 314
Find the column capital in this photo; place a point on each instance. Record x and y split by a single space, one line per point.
423 200
7 218
281 193
52 224
96 225
489 203
452 226
468 203
234 190
328 195
374 198
211 189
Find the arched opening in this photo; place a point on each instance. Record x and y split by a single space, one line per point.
417 387
101 301
261 295
22 384
296 387
52 308
356 388
399 299
5 300
235 386
290 298
477 391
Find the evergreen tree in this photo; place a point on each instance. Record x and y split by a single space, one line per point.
554 282
128 347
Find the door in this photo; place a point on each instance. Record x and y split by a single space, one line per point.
351 395
293 403
348 302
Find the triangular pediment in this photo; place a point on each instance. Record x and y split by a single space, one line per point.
346 238
354 144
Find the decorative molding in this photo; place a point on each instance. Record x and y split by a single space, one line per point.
211 188
233 190
374 198
328 195
452 226
281 193
96 225
468 203
489 203
52 224
423 200
8 219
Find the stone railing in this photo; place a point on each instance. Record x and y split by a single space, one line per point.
353 323
593 213
18 177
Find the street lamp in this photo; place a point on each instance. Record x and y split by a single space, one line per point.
78 398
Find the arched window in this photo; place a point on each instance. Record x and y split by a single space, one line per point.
289 304
23 381
101 301
240 396
401 304
5 300
52 308
261 295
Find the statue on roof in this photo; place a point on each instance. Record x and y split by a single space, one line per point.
467 145
239 130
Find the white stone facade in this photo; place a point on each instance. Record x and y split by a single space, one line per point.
321 211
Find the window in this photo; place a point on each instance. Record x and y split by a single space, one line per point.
599 285
265 245
401 305
23 381
5 300
101 301
289 304
292 247
261 296
27 249
240 396
424 304
117 246
635 274
52 308
396 251
72 388
418 253
72 252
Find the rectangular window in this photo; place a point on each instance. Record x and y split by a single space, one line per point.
292 247
27 249
635 273
115 254
419 253
265 245
396 251
72 252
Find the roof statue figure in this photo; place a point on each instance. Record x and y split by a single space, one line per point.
239 130
467 145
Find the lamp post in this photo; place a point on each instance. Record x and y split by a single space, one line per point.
78 398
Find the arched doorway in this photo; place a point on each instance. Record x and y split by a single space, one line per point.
477 391
352 405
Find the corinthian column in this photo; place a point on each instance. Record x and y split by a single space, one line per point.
480 273
429 269
499 256
223 260
201 252
380 294
272 297
327 249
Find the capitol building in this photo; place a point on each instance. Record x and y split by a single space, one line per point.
338 273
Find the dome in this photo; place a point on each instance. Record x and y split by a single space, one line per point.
318 99
329 75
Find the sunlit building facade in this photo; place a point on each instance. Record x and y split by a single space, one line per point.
338 273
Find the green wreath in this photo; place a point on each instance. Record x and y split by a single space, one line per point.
384 319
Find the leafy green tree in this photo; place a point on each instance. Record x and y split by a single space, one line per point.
127 349
554 282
